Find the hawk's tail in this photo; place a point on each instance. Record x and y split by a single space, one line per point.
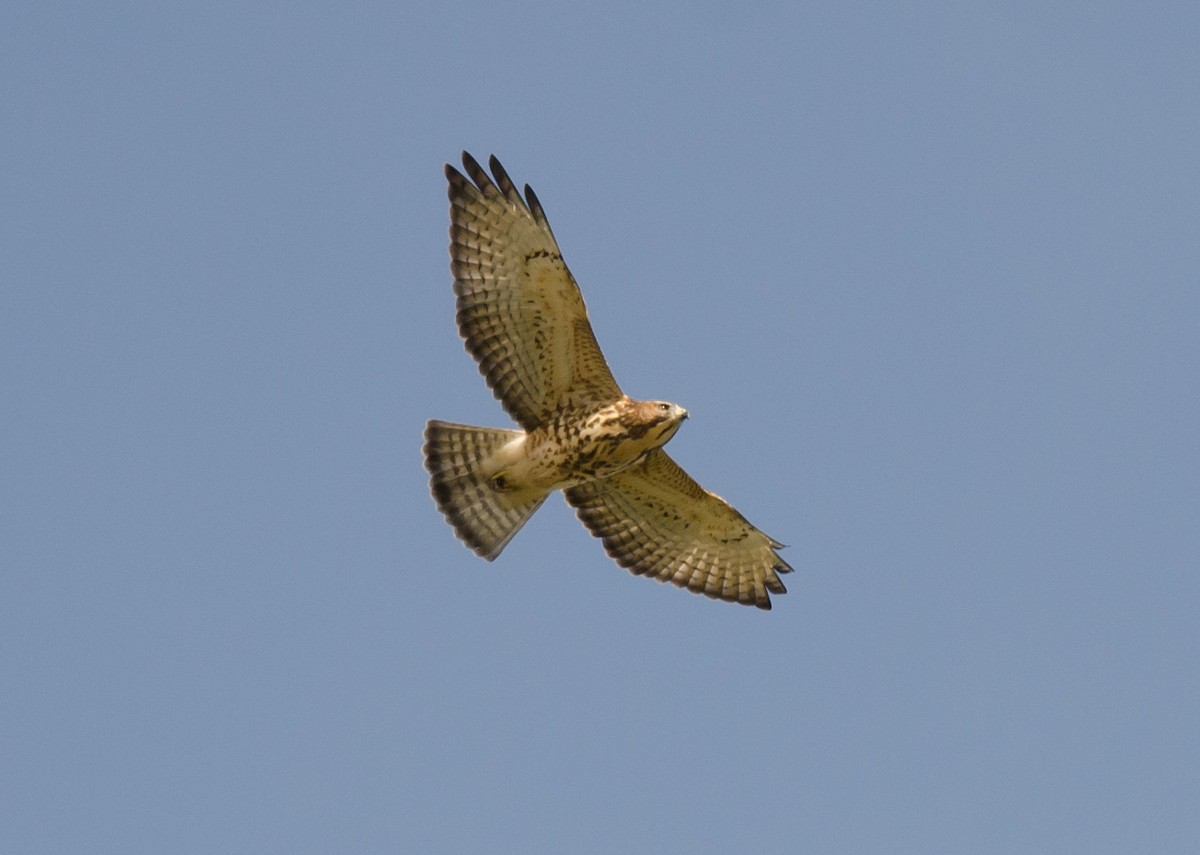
484 516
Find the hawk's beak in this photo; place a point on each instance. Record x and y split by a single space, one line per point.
682 414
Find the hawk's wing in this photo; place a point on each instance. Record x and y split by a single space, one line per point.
519 309
656 521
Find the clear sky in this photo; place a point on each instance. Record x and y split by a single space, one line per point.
926 275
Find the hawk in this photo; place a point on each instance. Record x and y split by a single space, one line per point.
522 317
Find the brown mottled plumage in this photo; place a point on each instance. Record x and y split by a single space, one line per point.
523 319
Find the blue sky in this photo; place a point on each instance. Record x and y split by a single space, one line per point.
926 276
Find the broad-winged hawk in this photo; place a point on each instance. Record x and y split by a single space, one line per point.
523 319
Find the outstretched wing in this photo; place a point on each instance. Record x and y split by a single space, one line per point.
519 309
656 521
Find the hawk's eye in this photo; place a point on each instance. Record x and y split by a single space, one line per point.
664 407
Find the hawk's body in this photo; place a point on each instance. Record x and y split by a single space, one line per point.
524 320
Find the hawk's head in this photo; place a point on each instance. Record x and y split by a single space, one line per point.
656 421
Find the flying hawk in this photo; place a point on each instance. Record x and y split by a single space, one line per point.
522 317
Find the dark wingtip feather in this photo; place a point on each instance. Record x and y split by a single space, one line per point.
457 185
470 163
504 182
477 173
535 207
498 170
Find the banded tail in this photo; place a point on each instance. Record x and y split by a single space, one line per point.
484 517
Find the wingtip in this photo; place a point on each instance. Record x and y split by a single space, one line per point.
469 162
535 206
477 174
505 183
457 184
